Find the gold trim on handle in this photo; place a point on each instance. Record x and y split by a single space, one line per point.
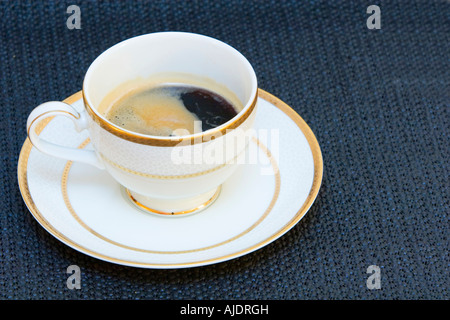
43 115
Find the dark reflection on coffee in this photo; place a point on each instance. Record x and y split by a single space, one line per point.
163 109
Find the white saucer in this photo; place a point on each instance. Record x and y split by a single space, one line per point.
87 210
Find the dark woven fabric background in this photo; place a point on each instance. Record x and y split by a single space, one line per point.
377 101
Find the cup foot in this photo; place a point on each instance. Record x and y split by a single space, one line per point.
170 207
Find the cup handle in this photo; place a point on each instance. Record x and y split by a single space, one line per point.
57 108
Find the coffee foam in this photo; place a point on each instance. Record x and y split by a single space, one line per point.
153 111
140 84
158 113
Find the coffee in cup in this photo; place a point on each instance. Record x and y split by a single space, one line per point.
171 107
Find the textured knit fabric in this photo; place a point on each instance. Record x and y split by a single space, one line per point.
377 100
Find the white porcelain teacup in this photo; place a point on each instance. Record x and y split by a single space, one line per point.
153 169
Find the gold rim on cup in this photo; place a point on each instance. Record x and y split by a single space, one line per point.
171 141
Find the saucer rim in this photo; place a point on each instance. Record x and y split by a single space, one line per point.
22 173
